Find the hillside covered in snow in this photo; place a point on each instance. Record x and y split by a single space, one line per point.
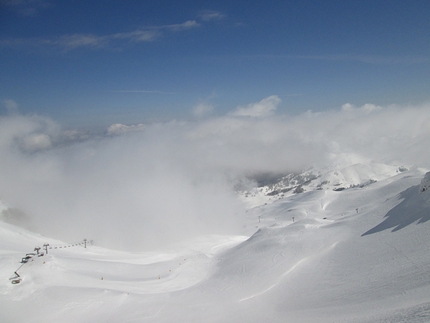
315 218
319 254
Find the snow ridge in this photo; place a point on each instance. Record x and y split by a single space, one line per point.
336 178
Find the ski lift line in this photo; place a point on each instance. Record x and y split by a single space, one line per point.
16 279
69 245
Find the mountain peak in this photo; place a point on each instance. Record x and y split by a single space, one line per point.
337 177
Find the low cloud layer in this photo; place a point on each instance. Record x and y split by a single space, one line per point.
141 187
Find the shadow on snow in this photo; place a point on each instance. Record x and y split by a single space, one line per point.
414 207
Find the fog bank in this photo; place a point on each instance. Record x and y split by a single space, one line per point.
144 186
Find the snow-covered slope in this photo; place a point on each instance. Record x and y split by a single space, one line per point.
354 255
337 177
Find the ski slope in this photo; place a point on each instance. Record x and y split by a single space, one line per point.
356 255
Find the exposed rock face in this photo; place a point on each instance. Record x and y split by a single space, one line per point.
425 183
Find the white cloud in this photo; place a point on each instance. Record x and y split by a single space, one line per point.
175 180
367 108
11 106
36 142
189 24
211 15
26 7
202 109
144 91
138 36
116 40
81 40
347 107
118 129
27 133
264 108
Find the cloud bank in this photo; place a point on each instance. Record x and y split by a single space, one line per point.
142 187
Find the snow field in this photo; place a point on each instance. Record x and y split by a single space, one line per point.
358 255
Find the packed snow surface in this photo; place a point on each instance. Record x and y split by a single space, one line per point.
360 254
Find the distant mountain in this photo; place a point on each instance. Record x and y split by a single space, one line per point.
336 178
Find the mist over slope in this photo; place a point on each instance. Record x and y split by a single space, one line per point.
355 255
146 186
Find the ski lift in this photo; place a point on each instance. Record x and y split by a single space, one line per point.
26 259
15 279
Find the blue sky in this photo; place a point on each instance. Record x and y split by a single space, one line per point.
102 62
